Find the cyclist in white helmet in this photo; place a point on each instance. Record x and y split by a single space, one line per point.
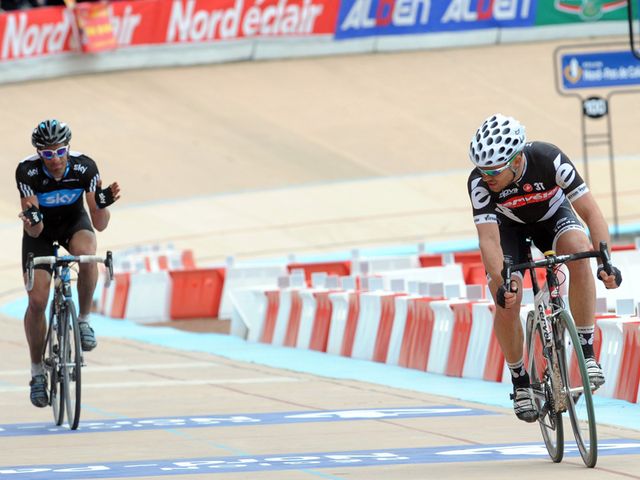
519 190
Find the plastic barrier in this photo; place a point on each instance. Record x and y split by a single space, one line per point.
385 327
629 375
282 318
248 313
397 331
339 312
416 341
321 322
441 336
293 325
149 297
430 260
351 324
479 340
118 304
196 293
271 314
463 321
610 354
263 277
330 268
307 318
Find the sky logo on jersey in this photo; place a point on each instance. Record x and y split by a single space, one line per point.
59 198
363 18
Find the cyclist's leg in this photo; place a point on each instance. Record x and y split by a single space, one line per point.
81 240
35 324
508 329
570 237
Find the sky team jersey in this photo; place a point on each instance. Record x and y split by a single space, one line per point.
58 198
549 178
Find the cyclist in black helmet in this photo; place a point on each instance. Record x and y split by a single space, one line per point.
519 190
51 183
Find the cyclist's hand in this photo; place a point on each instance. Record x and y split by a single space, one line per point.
507 299
106 197
31 216
610 281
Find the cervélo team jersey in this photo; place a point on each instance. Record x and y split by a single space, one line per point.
549 178
63 198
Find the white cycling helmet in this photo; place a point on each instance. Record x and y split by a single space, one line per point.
497 140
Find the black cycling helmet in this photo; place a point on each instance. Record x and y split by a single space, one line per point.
50 132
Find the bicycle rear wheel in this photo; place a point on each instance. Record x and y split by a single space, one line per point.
52 362
542 383
72 366
578 395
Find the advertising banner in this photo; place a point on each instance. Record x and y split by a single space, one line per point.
46 31
94 25
599 69
36 32
363 18
550 12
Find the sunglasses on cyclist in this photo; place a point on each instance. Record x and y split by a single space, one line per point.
49 154
497 171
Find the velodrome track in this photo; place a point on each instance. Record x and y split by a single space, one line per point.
266 159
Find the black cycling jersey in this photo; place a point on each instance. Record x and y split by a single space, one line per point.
61 199
548 180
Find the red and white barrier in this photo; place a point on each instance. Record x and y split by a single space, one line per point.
149 297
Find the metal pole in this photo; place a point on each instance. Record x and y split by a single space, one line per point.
584 147
614 194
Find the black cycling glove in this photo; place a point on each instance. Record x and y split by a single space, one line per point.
34 215
500 295
105 197
614 271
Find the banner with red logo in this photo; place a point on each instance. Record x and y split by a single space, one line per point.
47 31
95 27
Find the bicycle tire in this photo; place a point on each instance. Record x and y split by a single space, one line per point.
72 366
579 398
549 418
52 362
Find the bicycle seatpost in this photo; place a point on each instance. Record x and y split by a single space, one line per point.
506 271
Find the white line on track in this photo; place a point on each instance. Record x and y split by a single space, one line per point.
171 383
123 368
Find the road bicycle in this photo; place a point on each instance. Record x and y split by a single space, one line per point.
62 356
554 357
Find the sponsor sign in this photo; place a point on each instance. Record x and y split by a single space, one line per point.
599 69
96 29
239 419
303 461
47 31
577 11
362 18
595 107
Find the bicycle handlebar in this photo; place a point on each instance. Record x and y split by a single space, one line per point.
551 260
52 260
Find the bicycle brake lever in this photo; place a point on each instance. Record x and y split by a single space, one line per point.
606 258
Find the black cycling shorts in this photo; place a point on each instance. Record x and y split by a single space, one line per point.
544 234
62 231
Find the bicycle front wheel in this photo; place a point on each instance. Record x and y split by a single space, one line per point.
578 391
72 365
52 364
542 383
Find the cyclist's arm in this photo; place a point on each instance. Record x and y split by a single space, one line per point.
35 230
489 238
588 209
99 216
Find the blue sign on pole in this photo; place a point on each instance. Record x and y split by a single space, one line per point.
600 69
